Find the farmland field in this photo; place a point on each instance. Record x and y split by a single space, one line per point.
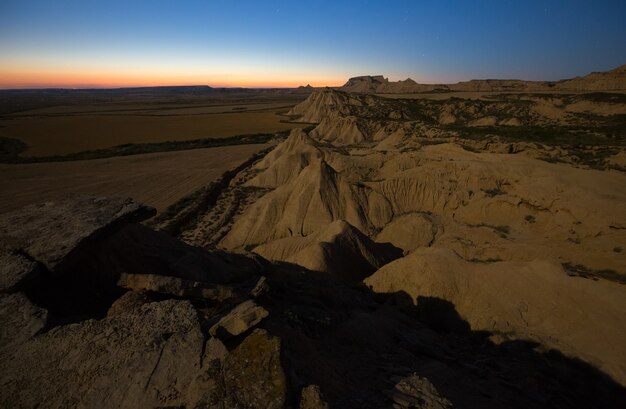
58 135
156 179
65 122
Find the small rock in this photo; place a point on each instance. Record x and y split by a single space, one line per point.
261 288
243 317
311 398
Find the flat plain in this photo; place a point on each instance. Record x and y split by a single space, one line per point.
48 126
156 179
65 134
61 123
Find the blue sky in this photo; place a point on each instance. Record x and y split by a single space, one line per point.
265 43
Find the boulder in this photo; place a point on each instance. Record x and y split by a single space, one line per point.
243 317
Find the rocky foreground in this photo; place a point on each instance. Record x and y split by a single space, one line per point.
98 311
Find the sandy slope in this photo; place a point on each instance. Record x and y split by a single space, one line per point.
533 299
495 231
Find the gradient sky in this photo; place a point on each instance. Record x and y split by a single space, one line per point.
288 43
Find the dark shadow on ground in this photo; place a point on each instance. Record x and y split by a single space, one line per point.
358 345
89 287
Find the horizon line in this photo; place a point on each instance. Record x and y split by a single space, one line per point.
282 86
96 87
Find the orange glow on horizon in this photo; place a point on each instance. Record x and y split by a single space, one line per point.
29 78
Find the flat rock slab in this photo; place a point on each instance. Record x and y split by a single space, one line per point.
142 359
52 232
243 317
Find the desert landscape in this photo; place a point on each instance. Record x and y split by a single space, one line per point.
356 243
377 239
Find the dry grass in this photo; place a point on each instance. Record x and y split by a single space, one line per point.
157 179
58 135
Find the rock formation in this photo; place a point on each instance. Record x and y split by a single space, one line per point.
507 216
612 80
597 81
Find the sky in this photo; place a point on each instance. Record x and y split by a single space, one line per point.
63 43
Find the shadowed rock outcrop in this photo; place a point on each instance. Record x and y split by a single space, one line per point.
308 340
57 234
339 249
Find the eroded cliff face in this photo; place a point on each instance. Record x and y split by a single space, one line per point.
485 212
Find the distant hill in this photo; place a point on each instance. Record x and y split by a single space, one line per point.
304 89
365 84
609 80
597 81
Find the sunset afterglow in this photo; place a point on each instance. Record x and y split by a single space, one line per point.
287 44
28 77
